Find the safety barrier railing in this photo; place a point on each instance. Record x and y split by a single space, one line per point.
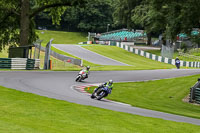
19 63
62 57
195 93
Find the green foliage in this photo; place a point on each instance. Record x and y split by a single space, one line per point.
94 17
195 39
123 12
169 17
184 47
9 35
11 17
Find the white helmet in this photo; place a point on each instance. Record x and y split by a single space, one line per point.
88 67
110 81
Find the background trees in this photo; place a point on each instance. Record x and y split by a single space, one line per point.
19 19
94 17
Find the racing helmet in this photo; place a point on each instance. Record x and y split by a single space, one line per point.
110 81
88 67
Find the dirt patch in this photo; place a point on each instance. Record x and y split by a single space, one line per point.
186 100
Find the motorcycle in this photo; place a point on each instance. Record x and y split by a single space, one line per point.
100 92
81 76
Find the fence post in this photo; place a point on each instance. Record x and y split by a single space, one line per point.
81 62
47 55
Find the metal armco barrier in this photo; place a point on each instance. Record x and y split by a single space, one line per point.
62 57
19 63
195 92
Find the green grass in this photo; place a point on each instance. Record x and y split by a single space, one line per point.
163 95
156 52
137 62
61 37
58 64
28 113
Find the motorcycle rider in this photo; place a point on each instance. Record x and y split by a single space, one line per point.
108 84
177 63
86 70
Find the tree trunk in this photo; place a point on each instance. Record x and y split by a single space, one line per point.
24 23
148 38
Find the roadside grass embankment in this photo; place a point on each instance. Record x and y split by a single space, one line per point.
164 95
25 112
61 37
136 62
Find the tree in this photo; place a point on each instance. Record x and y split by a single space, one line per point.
180 16
123 12
150 19
169 17
93 18
19 15
96 16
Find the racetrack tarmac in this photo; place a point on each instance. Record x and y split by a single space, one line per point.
88 55
60 85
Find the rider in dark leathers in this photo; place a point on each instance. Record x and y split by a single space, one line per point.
108 84
177 63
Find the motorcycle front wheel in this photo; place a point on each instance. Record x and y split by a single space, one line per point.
101 95
92 96
78 78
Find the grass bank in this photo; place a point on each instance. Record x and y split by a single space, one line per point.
136 62
24 112
61 37
162 95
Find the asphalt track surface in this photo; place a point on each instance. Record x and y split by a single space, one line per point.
61 85
90 56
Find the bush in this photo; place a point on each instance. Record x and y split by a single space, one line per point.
184 47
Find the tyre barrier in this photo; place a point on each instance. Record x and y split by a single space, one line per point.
19 63
195 93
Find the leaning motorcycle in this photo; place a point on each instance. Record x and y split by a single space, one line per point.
81 76
100 93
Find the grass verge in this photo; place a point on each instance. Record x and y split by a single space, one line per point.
136 61
25 112
162 95
61 37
